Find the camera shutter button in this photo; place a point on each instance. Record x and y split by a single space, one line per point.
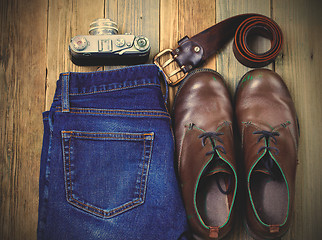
79 43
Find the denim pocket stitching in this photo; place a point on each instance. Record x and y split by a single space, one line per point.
138 115
144 171
115 110
119 112
147 141
110 90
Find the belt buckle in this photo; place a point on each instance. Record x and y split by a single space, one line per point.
167 63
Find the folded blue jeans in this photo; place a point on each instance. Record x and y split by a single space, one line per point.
107 163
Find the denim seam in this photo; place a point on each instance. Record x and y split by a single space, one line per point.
110 90
120 138
110 133
70 174
114 70
119 110
144 146
122 114
147 155
89 207
42 221
115 111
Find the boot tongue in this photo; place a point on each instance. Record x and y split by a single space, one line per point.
262 170
217 166
264 166
222 173
268 167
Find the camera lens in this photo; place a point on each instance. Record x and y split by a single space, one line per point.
103 26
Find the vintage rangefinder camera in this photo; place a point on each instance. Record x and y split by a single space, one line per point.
104 46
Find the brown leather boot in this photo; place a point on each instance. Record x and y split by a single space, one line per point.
269 131
203 117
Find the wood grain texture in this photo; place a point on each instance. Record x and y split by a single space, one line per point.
300 67
184 18
169 33
227 64
33 51
138 17
22 94
232 71
66 19
194 17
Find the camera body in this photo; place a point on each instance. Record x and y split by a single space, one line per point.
104 46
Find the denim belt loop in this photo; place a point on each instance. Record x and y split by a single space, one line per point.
51 120
65 93
161 74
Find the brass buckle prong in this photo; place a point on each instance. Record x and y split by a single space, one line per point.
167 63
176 71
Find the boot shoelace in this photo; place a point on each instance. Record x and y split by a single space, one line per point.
212 136
268 162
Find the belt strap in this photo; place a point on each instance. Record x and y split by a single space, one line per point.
194 51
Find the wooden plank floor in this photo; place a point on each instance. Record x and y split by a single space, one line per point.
33 51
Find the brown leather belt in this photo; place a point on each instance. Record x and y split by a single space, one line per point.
194 51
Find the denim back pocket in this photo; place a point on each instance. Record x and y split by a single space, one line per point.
106 173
